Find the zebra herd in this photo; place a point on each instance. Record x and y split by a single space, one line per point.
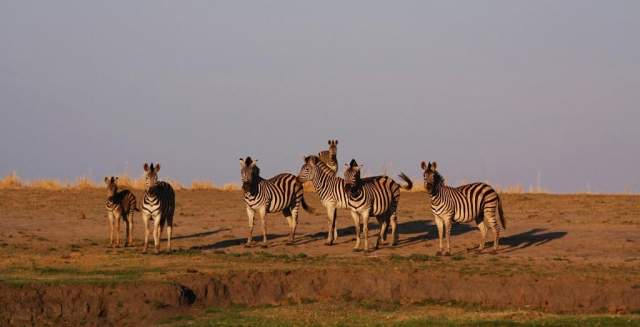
376 196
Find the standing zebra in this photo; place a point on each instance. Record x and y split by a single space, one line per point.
330 157
280 193
120 206
378 196
158 205
330 189
477 202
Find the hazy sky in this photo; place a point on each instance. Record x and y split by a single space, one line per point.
492 90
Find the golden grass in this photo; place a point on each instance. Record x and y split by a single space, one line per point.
13 181
202 185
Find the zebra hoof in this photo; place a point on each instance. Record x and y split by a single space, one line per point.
356 250
438 254
328 243
447 254
264 245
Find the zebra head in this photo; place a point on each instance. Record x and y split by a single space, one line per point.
351 175
308 170
150 175
249 173
432 178
333 147
112 185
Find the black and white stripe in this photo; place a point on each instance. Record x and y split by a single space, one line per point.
477 202
330 189
280 193
120 205
330 157
158 205
377 196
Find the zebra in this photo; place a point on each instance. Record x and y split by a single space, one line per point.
120 205
280 193
158 205
477 202
330 157
330 189
378 196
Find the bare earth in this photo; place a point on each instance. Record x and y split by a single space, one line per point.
560 254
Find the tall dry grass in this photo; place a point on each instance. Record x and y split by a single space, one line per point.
13 181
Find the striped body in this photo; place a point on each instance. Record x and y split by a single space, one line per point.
158 207
275 194
120 206
159 203
330 157
330 189
282 193
375 196
477 202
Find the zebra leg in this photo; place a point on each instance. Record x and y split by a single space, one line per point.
145 221
490 219
331 216
130 238
169 231
365 230
294 223
156 233
263 212
333 225
288 214
356 224
382 225
483 234
126 231
440 225
251 214
118 219
447 225
111 222
394 229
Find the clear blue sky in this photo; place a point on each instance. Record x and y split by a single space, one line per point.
492 90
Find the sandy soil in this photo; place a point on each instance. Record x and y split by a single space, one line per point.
560 253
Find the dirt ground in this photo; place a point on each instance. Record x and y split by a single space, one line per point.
560 255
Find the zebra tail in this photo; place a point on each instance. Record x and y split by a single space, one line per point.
407 180
500 213
305 206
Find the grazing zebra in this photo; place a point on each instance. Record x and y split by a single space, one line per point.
120 206
330 157
477 202
280 193
377 197
158 205
330 189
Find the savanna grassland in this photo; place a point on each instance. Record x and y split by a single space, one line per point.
564 260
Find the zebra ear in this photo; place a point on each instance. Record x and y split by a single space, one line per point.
157 167
146 166
242 163
117 178
336 142
106 180
434 166
253 163
423 165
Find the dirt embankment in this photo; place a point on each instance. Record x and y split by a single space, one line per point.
151 301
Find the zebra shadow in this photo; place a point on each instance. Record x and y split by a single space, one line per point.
237 242
420 229
533 237
201 234
425 230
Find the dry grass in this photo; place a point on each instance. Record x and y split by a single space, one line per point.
202 185
13 181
